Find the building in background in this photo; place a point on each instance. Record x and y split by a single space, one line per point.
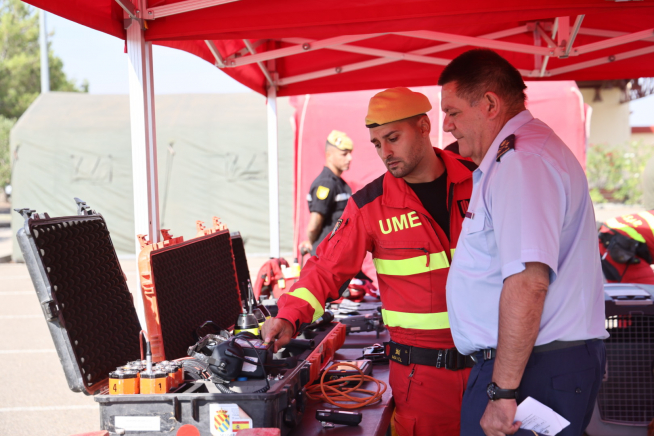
644 134
609 100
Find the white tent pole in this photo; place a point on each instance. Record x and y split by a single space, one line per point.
273 171
144 144
440 121
43 41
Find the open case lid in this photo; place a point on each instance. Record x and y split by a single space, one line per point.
241 263
83 293
195 281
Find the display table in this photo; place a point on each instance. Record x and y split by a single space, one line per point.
357 341
376 418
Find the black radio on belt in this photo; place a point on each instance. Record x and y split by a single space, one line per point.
398 353
446 358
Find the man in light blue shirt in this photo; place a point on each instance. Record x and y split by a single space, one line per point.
524 293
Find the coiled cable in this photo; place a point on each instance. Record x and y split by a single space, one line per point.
337 392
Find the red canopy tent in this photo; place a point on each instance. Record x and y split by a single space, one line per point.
344 45
292 47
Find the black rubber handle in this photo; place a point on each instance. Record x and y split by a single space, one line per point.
303 344
339 417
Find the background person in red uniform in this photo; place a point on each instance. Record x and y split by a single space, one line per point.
626 245
409 219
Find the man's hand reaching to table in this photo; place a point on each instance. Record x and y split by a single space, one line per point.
278 330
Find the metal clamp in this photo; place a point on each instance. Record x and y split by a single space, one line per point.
26 213
83 208
439 359
50 310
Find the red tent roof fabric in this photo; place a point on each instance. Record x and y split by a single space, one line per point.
228 24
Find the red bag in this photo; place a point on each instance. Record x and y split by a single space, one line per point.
270 279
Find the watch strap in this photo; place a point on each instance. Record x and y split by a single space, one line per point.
501 394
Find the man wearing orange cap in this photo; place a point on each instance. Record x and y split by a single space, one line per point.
409 219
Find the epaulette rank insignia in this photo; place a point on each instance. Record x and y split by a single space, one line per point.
505 146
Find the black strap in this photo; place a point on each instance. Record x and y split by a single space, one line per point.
610 272
440 358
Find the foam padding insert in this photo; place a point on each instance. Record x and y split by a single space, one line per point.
88 285
241 262
195 281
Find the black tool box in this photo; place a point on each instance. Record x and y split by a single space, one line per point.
90 313
625 404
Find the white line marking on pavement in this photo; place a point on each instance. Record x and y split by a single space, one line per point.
38 350
20 316
46 408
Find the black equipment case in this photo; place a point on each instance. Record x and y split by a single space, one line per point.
94 325
625 404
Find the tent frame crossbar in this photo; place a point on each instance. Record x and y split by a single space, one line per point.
167 10
233 62
417 56
560 43
220 62
264 70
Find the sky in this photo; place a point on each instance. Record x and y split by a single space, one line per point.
100 59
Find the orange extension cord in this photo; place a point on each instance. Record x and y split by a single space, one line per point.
336 393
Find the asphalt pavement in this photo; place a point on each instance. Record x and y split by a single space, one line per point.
34 395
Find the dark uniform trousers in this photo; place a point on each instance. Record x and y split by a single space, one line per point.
565 380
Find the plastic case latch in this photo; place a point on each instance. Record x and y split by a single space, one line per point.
50 310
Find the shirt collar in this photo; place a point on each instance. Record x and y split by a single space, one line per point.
397 192
510 127
456 171
329 173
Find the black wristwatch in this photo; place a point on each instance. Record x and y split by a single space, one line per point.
494 392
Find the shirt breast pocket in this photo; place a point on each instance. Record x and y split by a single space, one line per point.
406 262
473 250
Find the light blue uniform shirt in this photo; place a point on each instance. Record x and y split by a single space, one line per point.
532 206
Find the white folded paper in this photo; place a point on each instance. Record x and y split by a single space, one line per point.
536 416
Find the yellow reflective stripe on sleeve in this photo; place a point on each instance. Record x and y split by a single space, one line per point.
418 321
411 266
649 218
452 250
306 295
633 234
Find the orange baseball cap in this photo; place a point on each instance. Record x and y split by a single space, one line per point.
395 104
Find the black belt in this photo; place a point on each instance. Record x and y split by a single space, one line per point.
446 358
489 353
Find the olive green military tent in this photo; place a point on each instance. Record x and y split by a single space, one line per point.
212 159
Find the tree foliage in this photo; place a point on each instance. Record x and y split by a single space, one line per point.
5 160
20 62
20 71
614 173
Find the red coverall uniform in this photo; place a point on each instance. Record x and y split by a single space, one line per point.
640 227
412 256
